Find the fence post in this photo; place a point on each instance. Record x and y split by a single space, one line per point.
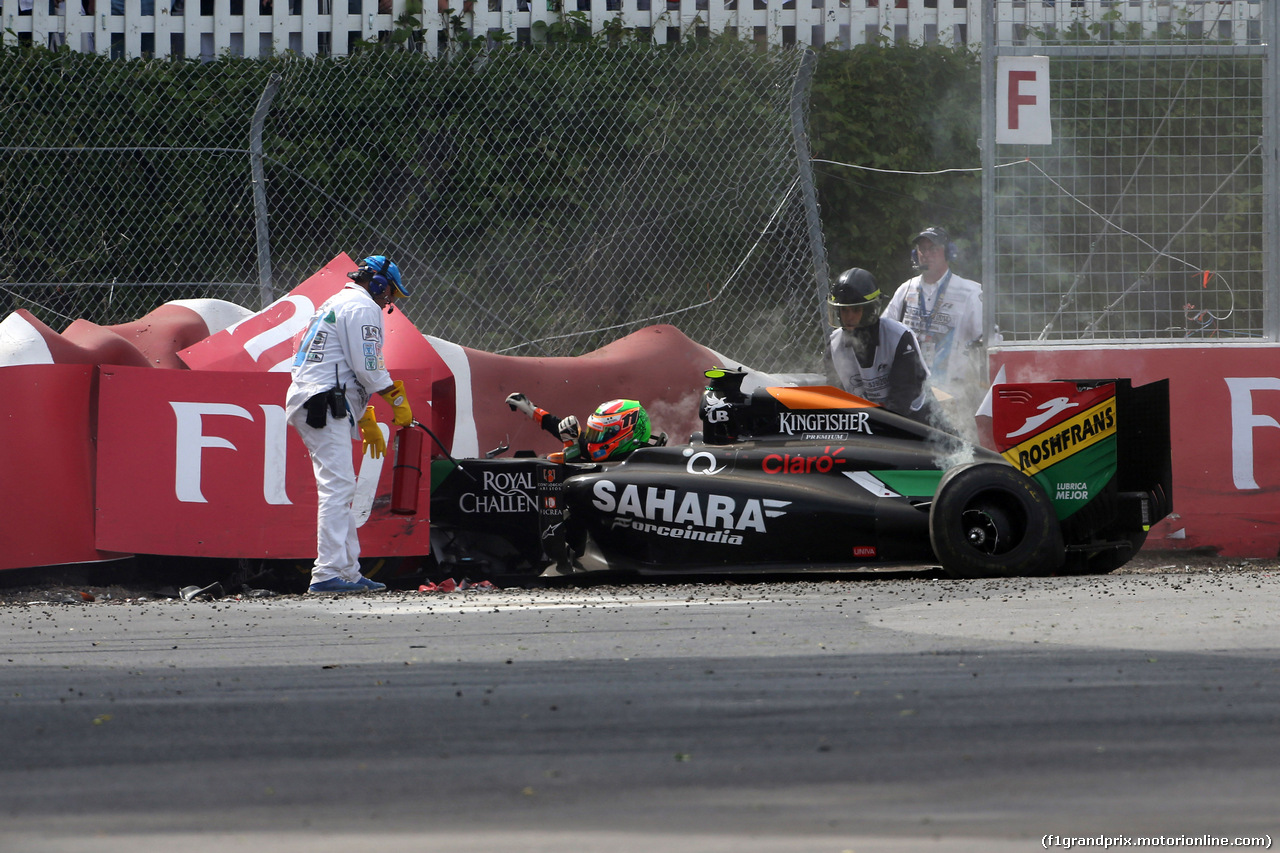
799 97
266 291
987 157
1270 174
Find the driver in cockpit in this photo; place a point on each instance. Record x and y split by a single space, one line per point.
614 430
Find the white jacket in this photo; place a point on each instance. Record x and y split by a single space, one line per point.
342 346
944 327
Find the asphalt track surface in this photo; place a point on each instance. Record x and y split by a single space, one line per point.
848 715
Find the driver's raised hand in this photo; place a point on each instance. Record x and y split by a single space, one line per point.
520 403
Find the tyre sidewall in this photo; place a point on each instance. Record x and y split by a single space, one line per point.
1039 550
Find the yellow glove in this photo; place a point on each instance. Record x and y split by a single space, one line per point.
399 402
374 444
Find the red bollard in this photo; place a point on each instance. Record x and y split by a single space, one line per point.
407 472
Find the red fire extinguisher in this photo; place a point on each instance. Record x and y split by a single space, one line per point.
406 474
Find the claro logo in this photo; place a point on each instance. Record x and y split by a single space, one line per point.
786 463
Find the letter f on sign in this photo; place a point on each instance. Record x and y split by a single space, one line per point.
1023 101
1244 422
191 441
1016 98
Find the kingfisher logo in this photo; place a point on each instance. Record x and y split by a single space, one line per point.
685 515
786 463
792 423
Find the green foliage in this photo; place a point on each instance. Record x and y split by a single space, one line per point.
437 155
898 108
1166 145
92 140
508 168
533 152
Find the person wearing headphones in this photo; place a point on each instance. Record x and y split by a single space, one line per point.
945 312
337 369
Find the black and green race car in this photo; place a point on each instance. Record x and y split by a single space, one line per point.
802 478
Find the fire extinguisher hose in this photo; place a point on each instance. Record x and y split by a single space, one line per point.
443 449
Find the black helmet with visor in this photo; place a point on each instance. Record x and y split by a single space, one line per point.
855 288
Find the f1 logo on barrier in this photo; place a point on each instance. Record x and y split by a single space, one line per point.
192 435
1022 101
202 463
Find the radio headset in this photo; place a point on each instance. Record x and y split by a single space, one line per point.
377 280
950 251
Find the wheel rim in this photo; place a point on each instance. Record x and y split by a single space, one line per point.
988 529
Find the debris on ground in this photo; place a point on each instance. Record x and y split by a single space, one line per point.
450 585
64 591
204 593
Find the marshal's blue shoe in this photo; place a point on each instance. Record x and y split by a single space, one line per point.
371 585
338 585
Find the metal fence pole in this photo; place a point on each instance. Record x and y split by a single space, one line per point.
799 97
1271 173
987 147
266 291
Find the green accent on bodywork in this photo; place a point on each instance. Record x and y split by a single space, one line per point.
911 484
440 471
1094 467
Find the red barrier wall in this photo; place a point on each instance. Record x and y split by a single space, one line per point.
47 466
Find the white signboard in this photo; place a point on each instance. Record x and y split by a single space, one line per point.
1022 101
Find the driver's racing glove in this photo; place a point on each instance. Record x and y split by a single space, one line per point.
520 403
568 429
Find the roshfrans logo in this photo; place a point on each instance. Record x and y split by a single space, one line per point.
791 423
1065 439
501 491
685 515
786 463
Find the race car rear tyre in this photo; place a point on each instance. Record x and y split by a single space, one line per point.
991 520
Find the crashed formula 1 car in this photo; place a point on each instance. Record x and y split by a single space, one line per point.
797 478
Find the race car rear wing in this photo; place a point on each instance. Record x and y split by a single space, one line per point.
1099 447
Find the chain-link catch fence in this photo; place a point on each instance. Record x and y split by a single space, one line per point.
538 202
1144 219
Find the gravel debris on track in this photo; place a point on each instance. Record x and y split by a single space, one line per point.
66 591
